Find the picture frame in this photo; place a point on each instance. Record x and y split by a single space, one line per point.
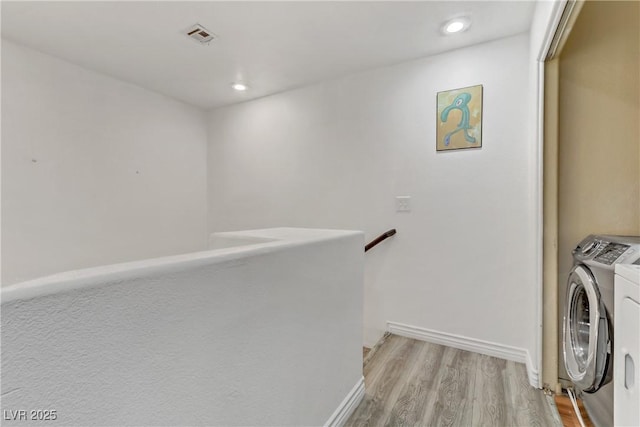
459 118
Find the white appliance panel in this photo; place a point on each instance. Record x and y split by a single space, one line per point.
627 347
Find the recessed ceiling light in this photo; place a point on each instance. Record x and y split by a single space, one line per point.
240 87
456 25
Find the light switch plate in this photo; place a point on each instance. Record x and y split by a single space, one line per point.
403 203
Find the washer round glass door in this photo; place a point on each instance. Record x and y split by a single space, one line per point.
585 332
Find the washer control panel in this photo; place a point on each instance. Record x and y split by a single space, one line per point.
589 247
610 253
607 250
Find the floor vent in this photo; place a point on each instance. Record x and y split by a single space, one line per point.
200 34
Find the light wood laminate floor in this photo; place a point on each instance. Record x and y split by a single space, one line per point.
567 413
415 383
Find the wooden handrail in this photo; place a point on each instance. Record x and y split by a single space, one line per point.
379 239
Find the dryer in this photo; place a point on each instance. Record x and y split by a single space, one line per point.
626 349
588 324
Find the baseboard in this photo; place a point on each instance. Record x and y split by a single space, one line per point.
348 405
488 348
532 373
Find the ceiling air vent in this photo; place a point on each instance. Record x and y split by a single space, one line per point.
200 34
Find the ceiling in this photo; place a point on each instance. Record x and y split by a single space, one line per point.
271 46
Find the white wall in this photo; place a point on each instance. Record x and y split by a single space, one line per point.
337 153
94 171
216 338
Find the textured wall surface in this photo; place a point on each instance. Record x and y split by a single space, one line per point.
94 170
336 154
264 334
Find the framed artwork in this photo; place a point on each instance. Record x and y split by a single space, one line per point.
459 118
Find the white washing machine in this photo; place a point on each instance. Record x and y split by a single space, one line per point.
588 324
626 348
